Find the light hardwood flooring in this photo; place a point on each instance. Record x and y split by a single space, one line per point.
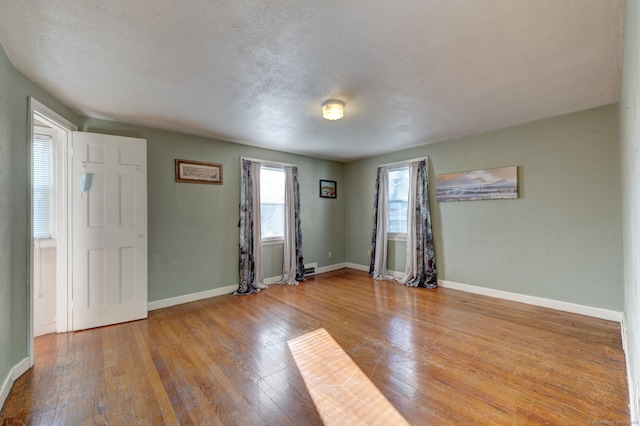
439 356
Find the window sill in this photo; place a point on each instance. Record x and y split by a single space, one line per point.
48 243
272 241
396 237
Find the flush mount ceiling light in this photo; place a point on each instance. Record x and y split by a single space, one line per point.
332 110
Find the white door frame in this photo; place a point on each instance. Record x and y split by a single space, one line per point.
63 305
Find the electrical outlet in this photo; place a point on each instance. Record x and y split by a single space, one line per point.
368 252
329 255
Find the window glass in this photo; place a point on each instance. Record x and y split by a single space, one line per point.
42 186
272 203
398 180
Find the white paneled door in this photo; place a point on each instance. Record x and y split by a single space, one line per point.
109 230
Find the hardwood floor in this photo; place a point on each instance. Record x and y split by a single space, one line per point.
439 356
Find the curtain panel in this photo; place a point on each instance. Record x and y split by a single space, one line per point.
378 262
420 266
293 262
251 278
251 271
420 263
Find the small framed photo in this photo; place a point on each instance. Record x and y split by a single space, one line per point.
328 188
198 172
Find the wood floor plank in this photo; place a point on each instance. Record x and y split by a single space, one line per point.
167 414
439 356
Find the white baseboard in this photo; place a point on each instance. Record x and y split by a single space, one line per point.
397 274
319 270
558 305
330 268
623 331
602 313
40 329
18 370
590 311
365 268
357 266
178 300
633 409
272 280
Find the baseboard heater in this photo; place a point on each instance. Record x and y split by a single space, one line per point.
310 268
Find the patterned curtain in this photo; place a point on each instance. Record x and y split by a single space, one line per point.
293 263
420 269
298 226
378 261
251 278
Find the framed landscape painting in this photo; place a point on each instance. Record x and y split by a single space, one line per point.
489 184
328 188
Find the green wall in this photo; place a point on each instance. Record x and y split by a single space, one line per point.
630 153
560 240
15 90
7 361
193 229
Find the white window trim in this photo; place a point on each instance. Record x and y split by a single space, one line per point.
44 243
402 163
53 202
276 239
267 163
272 241
271 167
398 236
276 165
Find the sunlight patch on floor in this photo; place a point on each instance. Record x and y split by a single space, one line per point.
341 392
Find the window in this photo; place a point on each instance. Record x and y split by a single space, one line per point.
43 180
398 193
272 203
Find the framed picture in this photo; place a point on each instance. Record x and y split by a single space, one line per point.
489 184
198 172
328 188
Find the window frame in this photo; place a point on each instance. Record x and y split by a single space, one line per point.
274 165
52 134
276 239
396 236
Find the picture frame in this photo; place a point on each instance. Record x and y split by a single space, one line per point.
189 171
500 183
328 188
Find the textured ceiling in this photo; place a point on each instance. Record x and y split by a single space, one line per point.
256 72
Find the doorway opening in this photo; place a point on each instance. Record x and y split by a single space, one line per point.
48 218
45 229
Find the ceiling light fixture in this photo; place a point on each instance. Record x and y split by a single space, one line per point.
332 110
